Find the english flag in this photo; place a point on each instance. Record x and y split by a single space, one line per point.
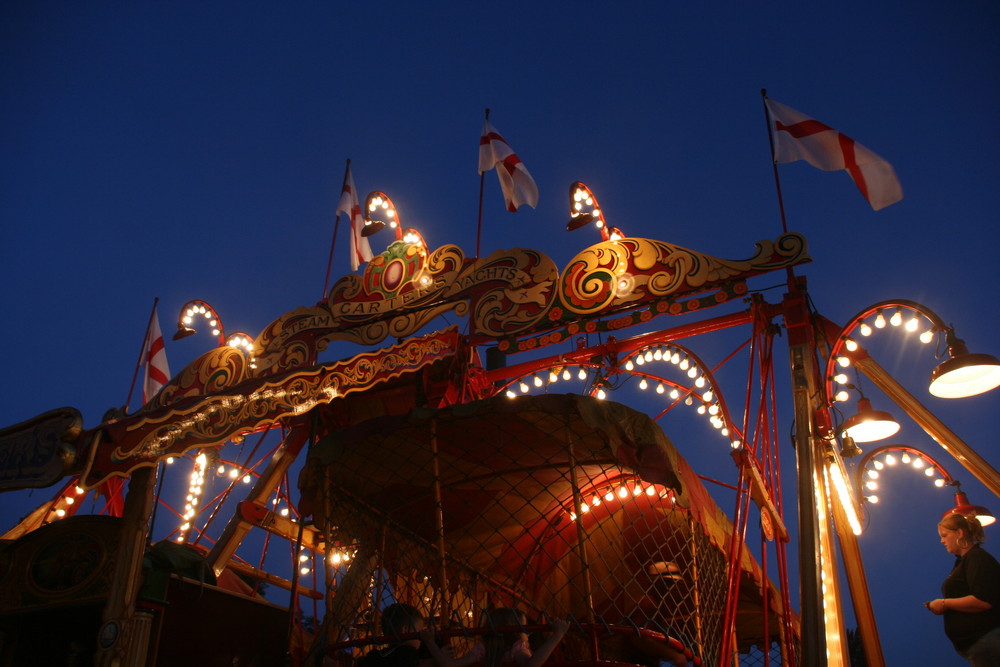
799 137
517 184
154 358
360 249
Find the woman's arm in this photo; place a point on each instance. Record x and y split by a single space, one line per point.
538 658
969 604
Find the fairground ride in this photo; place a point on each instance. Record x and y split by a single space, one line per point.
473 467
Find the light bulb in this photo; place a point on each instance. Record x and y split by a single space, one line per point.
880 320
537 381
660 388
643 384
674 393
912 323
896 319
582 374
865 329
890 460
523 386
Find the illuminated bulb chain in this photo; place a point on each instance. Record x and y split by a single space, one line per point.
896 319
196 486
620 493
706 403
917 462
191 312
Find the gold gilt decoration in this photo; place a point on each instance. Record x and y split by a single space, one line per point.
210 420
620 274
404 289
217 369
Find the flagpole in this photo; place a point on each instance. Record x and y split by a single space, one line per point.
142 349
482 179
774 165
336 225
789 272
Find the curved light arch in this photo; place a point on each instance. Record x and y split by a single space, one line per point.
703 388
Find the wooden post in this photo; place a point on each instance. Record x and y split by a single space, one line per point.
123 638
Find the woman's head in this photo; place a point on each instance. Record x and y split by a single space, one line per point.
959 533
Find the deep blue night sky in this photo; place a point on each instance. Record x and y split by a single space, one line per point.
190 150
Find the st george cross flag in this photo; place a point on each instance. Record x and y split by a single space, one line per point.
154 358
517 184
360 249
799 137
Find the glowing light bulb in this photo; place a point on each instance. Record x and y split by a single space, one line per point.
648 356
674 393
707 396
890 460
840 378
872 499
688 400
896 319
701 409
905 458
872 473
643 384
629 365
658 354
610 495
510 394
865 329
871 485
660 388
692 372
918 462
841 396
640 360
553 376
523 386
537 381
601 395
622 492
929 472
912 323
850 345
713 409
878 465
927 336
843 362
566 375
684 363
939 482
879 320
700 382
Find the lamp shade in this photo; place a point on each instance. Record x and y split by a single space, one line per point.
963 506
869 425
964 375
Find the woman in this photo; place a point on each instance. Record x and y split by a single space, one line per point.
971 593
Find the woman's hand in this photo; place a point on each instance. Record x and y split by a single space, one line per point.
936 606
